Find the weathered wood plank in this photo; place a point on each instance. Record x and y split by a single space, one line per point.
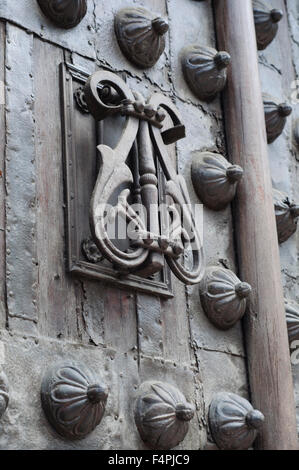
150 333
265 326
57 301
175 324
120 322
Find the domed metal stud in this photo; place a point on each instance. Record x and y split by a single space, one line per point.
162 415
223 297
286 213
140 35
205 70
64 13
266 23
234 423
214 179
73 400
275 116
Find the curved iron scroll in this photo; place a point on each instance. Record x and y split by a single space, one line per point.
176 239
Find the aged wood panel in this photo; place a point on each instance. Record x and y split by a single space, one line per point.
125 336
2 177
150 337
57 293
265 326
176 329
21 261
90 312
120 322
123 382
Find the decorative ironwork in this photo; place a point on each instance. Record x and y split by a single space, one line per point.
162 415
276 116
205 70
214 179
64 13
151 241
223 296
80 100
91 251
81 166
4 393
234 423
286 213
73 400
140 35
266 23
292 317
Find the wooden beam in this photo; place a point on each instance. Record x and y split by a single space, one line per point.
259 264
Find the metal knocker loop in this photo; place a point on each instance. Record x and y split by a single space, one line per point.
155 231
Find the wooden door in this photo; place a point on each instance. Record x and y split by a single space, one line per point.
127 334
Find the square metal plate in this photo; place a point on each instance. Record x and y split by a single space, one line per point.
81 136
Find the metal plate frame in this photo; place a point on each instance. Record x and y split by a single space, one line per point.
75 262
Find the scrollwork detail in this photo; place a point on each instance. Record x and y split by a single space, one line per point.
145 136
91 251
80 100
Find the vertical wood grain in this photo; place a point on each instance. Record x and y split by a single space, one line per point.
120 325
56 295
259 264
